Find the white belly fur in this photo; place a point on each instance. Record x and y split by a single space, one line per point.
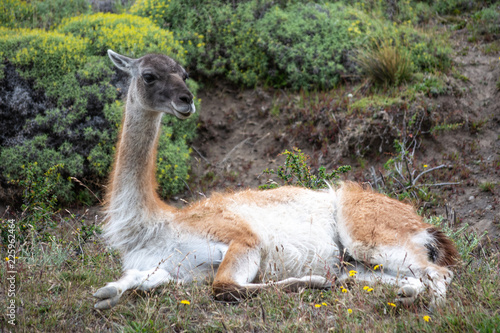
295 242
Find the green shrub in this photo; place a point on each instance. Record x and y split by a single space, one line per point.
430 85
428 53
415 11
47 57
454 7
485 23
172 169
308 45
36 221
75 118
211 32
13 12
296 172
124 33
37 150
42 14
287 44
298 46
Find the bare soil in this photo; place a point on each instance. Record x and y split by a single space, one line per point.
239 137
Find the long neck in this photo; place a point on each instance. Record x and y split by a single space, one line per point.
133 182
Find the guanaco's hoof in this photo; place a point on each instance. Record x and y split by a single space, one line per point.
107 303
106 292
406 295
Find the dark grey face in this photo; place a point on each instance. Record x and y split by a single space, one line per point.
162 84
158 83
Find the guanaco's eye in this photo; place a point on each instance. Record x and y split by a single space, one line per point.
148 78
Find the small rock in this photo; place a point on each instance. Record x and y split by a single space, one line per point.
471 198
489 207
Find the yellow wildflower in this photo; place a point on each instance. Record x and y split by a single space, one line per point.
352 273
349 310
427 318
185 302
377 267
317 305
391 304
324 304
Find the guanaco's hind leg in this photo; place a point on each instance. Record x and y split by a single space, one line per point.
240 267
410 286
413 277
237 270
110 294
375 229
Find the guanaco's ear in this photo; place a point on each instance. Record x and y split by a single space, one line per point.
122 62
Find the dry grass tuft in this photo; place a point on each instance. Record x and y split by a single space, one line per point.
386 63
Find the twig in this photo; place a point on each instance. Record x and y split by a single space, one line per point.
410 176
232 150
79 182
398 167
426 171
439 184
265 136
187 186
263 313
382 177
203 157
402 186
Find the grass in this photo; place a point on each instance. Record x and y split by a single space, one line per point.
55 281
487 187
386 64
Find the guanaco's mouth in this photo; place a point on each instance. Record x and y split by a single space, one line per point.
184 111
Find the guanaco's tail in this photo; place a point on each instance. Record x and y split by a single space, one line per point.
441 251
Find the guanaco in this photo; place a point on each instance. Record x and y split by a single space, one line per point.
244 242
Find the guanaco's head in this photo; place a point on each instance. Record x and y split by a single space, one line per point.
158 83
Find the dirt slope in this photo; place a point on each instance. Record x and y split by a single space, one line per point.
239 138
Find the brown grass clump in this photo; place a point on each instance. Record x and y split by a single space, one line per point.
386 63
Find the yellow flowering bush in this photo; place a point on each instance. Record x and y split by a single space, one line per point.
171 167
124 33
41 55
76 120
14 11
156 10
42 14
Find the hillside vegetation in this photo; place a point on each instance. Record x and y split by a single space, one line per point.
369 83
56 77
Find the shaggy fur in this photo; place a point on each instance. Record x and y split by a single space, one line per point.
244 242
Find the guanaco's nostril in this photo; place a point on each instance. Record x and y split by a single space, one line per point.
186 99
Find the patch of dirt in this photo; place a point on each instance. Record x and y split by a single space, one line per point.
240 137
237 137
476 147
